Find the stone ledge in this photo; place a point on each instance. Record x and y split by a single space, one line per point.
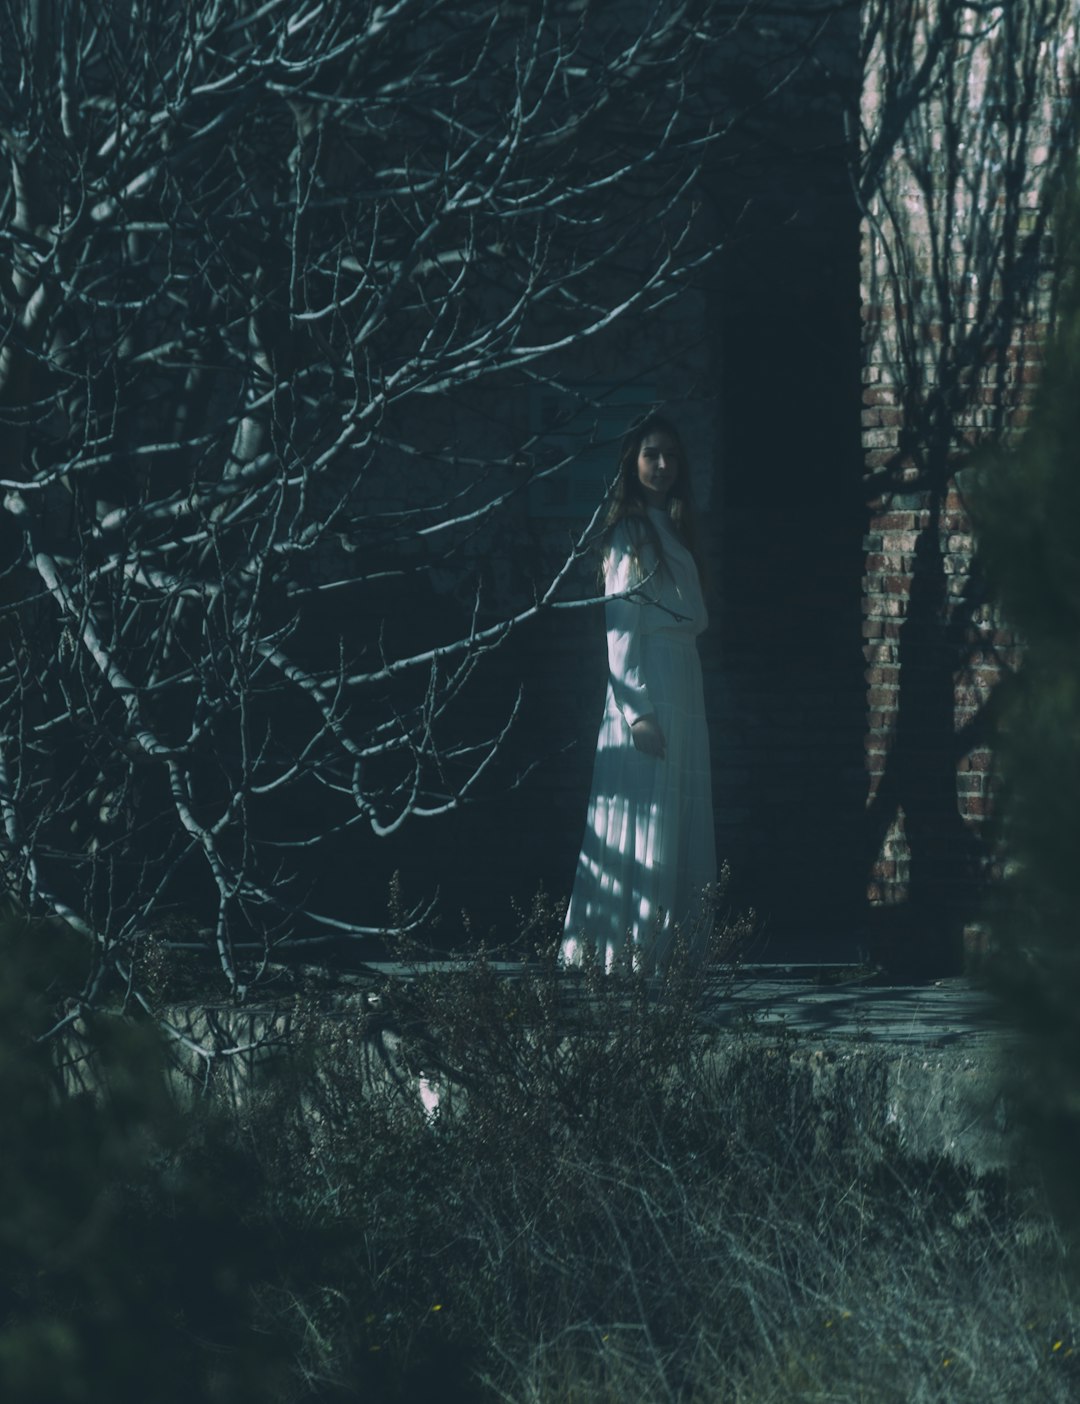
924 1062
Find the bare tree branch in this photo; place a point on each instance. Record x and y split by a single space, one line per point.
254 255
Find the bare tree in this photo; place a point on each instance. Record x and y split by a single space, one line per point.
969 138
256 257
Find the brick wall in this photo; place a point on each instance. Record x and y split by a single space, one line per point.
966 127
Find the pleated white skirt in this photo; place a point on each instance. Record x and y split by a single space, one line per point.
649 851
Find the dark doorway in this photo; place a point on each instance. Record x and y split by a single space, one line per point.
789 773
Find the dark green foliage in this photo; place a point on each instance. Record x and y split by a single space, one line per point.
1027 509
125 1271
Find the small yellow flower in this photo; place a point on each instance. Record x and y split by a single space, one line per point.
437 1306
1057 1345
945 1364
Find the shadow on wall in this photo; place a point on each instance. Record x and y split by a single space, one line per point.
968 134
914 818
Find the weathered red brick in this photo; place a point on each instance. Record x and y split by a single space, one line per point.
880 438
880 416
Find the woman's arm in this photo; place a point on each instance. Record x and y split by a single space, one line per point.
624 619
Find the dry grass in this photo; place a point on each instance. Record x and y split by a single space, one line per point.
610 1212
604 1211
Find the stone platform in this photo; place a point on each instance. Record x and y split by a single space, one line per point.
930 1057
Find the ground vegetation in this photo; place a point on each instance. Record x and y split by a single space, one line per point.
594 1207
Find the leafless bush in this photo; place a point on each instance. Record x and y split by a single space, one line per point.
645 1219
694 1223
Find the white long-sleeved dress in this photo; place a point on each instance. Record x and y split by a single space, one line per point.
649 849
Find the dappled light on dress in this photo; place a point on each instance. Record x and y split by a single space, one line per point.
648 851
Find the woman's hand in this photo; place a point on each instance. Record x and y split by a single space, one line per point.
648 737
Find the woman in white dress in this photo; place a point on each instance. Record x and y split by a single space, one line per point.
648 856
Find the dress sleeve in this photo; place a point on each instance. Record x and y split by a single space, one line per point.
624 620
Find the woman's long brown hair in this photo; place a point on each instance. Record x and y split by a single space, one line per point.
629 504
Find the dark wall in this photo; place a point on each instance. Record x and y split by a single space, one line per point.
788 726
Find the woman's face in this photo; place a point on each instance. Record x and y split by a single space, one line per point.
657 467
